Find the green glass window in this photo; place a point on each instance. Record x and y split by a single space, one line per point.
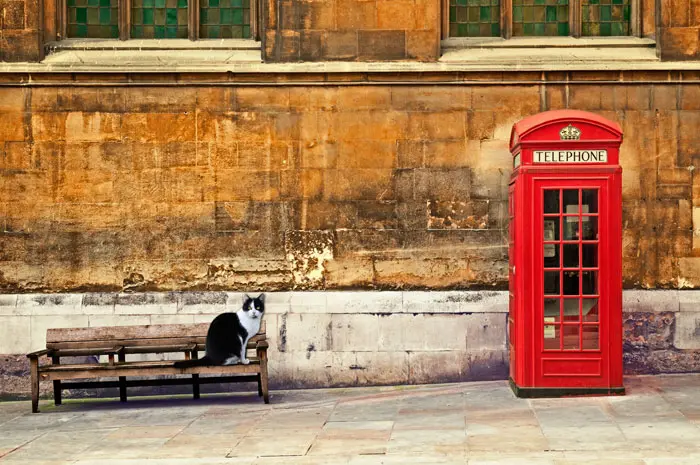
159 19
93 19
605 17
475 18
225 19
540 17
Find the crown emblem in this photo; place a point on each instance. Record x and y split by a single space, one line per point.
570 133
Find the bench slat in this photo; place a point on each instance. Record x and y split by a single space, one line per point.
145 345
115 333
129 369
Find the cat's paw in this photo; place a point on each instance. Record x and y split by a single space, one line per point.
245 362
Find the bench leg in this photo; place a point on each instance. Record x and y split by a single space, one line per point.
56 384
195 379
34 374
260 393
122 380
195 386
263 376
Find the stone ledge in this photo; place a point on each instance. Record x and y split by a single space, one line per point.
152 44
546 42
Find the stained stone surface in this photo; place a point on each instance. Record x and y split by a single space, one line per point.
657 422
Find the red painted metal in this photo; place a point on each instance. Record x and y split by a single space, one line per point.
565 254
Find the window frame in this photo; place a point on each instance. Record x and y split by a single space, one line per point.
575 22
124 22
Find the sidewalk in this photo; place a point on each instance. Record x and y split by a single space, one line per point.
657 422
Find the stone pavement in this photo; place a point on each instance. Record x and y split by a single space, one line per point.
657 423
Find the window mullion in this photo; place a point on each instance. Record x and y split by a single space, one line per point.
62 19
575 18
193 19
124 19
507 18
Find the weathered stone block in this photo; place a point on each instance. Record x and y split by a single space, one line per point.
652 331
687 331
39 325
15 334
486 332
354 333
422 45
437 367
381 368
341 45
349 272
678 43
307 333
381 45
146 304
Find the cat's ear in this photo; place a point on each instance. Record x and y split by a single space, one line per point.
261 298
246 297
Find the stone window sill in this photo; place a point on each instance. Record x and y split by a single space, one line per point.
530 51
163 52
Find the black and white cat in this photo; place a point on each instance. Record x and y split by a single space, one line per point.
229 334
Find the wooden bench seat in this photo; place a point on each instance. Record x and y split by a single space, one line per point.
118 342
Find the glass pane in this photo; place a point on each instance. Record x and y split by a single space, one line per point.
571 339
590 255
590 309
551 282
605 17
571 228
551 256
571 201
590 228
589 201
571 283
591 337
590 282
551 229
225 19
158 19
551 201
571 310
570 255
93 19
541 17
475 18
551 337
551 310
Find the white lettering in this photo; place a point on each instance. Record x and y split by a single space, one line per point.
570 156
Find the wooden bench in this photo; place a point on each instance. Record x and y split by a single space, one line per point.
116 343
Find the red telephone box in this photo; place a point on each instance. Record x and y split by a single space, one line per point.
565 253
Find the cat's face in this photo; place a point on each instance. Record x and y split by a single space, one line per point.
254 307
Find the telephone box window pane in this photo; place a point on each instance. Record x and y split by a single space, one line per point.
570 255
540 17
590 255
571 310
551 201
93 19
551 283
551 310
475 18
590 310
551 256
589 201
571 337
571 201
591 336
571 228
571 286
551 337
590 228
551 228
605 17
590 282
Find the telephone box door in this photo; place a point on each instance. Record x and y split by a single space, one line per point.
572 306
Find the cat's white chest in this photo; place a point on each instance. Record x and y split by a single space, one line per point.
251 325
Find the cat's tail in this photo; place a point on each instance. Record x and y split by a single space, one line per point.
193 363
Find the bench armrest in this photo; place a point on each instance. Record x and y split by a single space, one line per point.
39 353
261 345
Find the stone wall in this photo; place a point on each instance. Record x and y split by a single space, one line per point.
360 185
21 30
678 33
365 30
323 339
